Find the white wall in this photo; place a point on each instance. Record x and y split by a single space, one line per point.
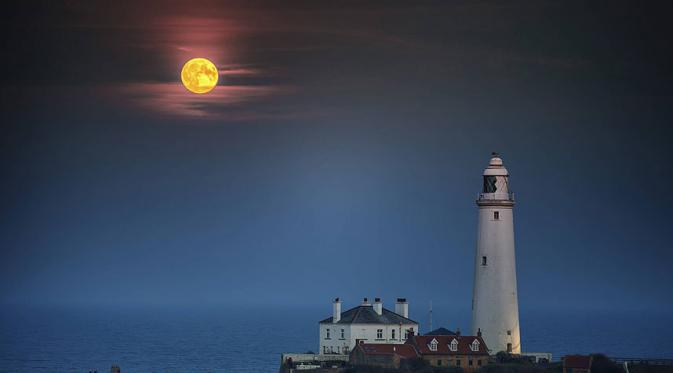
495 307
335 344
353 332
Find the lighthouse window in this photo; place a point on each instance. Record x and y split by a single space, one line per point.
327 334
496 215
483 260
342 334
509 347
489 184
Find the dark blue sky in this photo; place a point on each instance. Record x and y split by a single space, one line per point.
340 155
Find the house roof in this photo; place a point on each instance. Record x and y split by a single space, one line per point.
404 350
577 361
440 331
365 314
422 343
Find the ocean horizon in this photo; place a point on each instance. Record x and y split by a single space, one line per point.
251 339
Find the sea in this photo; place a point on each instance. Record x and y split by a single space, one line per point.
251 339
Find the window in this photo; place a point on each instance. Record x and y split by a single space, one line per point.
433 345
457 362
327 334
439 362
342 334
509 332
392 334
454 345
489 184
469 362
379 333
475 346
496 215
509 347
478 362
483 260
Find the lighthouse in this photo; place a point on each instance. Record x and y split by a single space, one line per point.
495 309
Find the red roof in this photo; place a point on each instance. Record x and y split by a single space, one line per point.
404 350
577 361
423 342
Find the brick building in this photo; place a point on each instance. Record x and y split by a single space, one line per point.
382 355
467 352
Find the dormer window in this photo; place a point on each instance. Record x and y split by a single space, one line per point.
475 346
433 345
453 346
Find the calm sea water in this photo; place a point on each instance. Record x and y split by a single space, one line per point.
251 340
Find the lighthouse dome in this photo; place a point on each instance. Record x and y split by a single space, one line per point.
495 166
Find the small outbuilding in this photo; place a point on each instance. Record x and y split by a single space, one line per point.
384 355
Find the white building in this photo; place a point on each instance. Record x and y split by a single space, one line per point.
367 322
495 309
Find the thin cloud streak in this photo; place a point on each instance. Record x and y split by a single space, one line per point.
240 71
171 99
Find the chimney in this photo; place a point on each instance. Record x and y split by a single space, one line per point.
365 302
402 307
378 306
336 310
479 332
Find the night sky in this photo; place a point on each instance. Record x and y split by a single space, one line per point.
340 155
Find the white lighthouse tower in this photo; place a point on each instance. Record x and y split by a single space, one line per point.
495 309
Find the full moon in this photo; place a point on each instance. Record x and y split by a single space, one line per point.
199 75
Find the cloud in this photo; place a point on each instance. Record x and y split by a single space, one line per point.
240 71
232 102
